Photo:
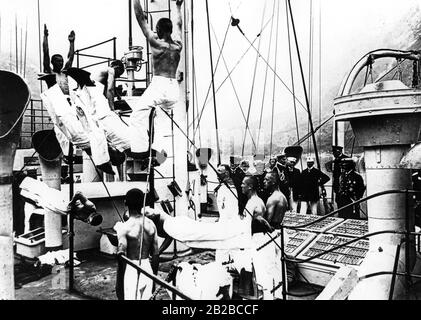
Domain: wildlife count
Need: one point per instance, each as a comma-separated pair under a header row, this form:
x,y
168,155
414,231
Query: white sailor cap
x,y
310,159
292,159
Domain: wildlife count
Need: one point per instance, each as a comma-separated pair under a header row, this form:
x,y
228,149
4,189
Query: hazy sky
x,y
348,30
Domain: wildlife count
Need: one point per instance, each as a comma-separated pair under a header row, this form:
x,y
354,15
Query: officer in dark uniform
x,y
351,189
311,179
293,176
416,185
337,153
281,169
238,175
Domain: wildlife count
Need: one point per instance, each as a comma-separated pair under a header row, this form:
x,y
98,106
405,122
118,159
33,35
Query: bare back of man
x,y
133,232
166,57
277,203
276,206
138,250
163,92
165,50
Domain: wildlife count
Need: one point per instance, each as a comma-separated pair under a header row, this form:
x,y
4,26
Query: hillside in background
x,y
405,35
30,76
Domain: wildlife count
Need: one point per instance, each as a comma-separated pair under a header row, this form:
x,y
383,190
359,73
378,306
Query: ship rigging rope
x,y
274,81
304,87
106,189
320,70
213,84
214,169
271,68
148,178
232,70
194,84
265,81
310,66
253,83
234,88
308,135
292,73
199,116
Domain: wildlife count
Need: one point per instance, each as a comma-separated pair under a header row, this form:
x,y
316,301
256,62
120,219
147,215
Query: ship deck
x,y
95,276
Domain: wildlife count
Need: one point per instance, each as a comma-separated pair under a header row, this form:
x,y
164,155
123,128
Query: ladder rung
x,y
158,11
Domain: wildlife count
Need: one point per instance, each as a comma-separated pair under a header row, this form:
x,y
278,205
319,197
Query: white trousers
x,y
64,116
142,284
163,93
311,204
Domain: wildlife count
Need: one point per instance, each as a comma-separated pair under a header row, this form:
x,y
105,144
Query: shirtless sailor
x,y
163,91
130,239
107,78
277,203
264,259
276,206
57,61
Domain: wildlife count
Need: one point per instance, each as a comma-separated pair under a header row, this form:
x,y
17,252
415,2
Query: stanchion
x,y
284,277
71,223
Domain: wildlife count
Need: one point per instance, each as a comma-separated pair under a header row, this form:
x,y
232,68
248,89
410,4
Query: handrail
x,y
347,84
344,245
300,227
284,258
93,56
105,59
352,204
94,64
156,279
96,45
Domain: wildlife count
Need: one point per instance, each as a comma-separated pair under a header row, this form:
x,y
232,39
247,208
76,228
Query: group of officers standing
x,y
304,189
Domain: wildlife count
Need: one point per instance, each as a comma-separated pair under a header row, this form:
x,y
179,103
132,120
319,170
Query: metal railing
x,y
407,233
35,118
155,279
104,59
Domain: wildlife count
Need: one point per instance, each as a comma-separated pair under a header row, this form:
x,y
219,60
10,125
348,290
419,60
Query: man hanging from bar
x,y
56,76
163,91
138,240
57,61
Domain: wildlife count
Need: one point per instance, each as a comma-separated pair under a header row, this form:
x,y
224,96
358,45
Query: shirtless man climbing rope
x,y
136,248
163,90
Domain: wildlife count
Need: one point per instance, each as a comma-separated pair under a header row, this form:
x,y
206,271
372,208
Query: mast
x,y
10,50
130,25
39,41
304,87
16,37
213,85
0,33
21,52
26,46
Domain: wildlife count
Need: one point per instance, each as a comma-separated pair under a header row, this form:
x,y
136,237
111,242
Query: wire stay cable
x,y
266,77
253,82
233,87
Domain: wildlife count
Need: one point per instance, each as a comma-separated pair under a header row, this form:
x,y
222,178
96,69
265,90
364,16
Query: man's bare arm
x,y
146,29
46,52
122,242
111,88
71,54
121,265
155,254
258,215
179,23
270,209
